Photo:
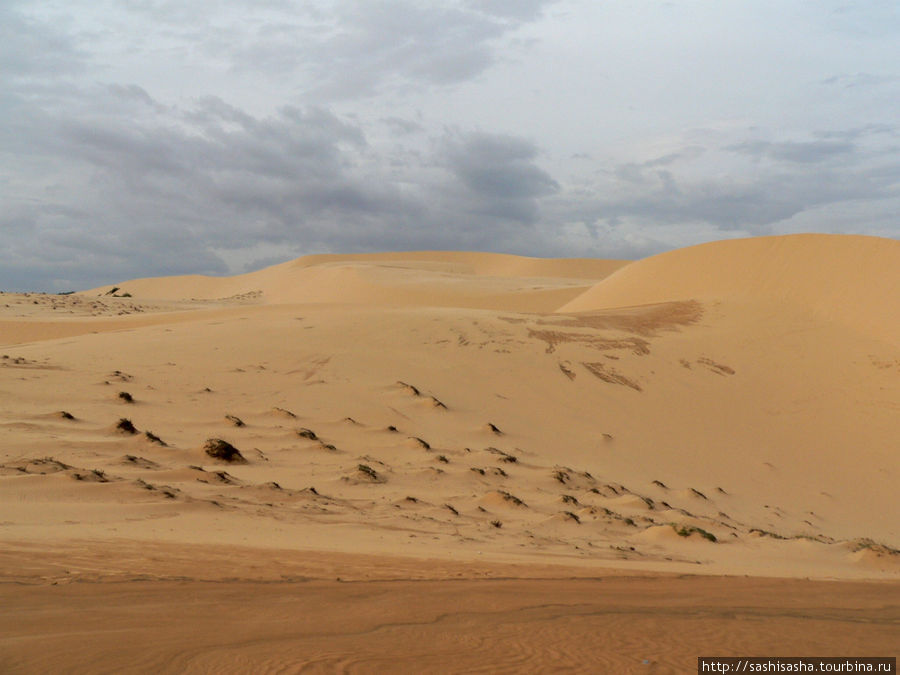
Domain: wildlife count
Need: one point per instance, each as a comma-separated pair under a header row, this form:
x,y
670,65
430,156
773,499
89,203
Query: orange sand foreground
x,y
457,462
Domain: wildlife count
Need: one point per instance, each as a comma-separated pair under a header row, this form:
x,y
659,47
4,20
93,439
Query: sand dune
x,y
851,279
728,409
428,278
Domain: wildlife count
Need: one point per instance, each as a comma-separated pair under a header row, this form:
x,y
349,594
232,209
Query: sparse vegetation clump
x,y
125,425
688,530
125,396
512,498
307,433
866,544
223,450
497,524
235,420
283,412
153,438
368,471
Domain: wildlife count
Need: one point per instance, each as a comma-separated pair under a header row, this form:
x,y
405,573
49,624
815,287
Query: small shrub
x,y
236,421
512,498
219,449
153,438
497,524
687,531
125,396
421,443
368,471
125,425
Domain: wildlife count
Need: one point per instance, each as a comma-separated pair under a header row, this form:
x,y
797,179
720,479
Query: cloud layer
x,y
154,137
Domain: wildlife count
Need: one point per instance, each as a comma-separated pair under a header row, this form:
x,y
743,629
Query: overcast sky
x,y
158,137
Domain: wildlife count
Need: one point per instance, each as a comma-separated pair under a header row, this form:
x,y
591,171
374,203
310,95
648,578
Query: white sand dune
x,y
727,409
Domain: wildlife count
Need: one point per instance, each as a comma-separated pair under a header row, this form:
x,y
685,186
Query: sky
x,y
160,137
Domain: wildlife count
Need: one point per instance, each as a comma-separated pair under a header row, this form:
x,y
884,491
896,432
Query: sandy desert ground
x,y
456,462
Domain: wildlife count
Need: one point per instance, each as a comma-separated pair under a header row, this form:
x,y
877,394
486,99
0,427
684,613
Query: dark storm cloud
x,y
160,193
498,166
156,191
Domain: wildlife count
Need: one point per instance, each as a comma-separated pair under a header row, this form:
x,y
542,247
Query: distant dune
x,y
425,278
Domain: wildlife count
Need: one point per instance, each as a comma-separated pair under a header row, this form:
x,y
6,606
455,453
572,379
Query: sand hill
x,y
726,409
851,279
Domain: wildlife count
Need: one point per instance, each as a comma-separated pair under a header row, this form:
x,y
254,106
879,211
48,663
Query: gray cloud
x,y
645,197
158,137
520,10
499,167
792,151
31,47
